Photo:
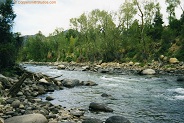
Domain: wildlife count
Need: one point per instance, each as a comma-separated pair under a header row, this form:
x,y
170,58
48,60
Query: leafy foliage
x,y
9,42
97,36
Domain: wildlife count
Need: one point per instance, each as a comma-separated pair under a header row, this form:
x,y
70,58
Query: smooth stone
x,y
89,83
99,107
30,118
148,72
16,104
49,98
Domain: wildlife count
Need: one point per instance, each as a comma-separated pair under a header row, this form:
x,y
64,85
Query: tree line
x,y
134,33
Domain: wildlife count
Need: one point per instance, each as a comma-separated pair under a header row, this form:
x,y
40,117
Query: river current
x,y
141,99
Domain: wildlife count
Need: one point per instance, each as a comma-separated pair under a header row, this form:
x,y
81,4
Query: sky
x,y
32,18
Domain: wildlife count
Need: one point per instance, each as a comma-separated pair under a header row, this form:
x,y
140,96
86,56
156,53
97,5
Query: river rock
x,y
148,72
61,67
49,98
85,68
117,119
99,107
1,120
92,120
105,95
180,78
77,113
16,104
30,118
5,81
89,83
173,60
44,81
103,70
70,83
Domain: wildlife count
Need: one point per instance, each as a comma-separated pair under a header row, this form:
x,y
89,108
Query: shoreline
x,y
114,67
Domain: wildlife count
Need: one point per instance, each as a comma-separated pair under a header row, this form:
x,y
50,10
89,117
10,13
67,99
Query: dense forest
x,y
134,33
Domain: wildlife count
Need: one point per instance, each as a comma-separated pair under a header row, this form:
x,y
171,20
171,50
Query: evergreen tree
x,y
157,26
7,40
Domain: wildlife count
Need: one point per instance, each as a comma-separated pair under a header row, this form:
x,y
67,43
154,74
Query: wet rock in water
x,y
89,83
99,107
70,83
148,72
180,78
105,95
30,118
92,120
103,70
117,119
49,98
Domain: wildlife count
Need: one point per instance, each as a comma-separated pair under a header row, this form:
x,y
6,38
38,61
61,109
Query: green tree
x,y
156,31
127,12
7,41
171,5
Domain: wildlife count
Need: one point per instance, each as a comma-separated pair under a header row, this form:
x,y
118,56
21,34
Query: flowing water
x,y
141,99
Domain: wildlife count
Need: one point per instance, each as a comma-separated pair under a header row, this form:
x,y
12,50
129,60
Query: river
x,y
141,99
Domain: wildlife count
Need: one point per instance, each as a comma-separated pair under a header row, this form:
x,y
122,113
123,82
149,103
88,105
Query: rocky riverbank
x,y
26,107
27,104
172,68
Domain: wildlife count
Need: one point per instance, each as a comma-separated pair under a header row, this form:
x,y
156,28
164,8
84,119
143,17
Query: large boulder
x,y
99,107
117,119
70,83
92,120
148,72
30,118
173,60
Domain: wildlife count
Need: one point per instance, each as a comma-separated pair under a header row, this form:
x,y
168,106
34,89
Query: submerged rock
x,y
70,83
99,107
117,119
89,83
